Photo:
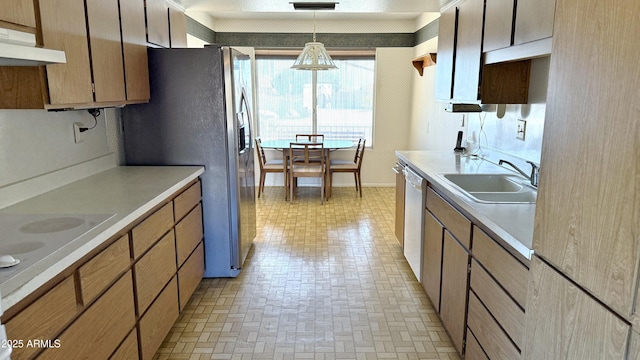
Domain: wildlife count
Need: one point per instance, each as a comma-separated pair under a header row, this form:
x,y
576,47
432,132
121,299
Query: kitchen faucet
x,y
535,171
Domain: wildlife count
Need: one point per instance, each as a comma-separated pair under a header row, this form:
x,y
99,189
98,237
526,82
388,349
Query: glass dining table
x,y
329,145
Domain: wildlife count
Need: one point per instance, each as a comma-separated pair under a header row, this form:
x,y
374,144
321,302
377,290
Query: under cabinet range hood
x,y
18,48
461,107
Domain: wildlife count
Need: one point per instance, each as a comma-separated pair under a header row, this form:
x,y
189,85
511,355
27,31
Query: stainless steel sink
x,y
494,188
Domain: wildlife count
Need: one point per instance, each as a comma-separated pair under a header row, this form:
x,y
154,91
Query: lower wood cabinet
x,y
578,327
120,301
432,258
101,328
445,275
98,273
154,270
634,346
478,288
455,285
157,322
129,347
487,331
497,299
503,309
473,349
190,274
189,233
44,318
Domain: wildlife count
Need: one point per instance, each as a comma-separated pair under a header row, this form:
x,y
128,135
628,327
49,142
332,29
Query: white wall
x,y
38,152
431,127
37,142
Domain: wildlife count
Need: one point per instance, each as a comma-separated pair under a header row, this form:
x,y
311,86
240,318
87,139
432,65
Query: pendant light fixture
x,y
314,56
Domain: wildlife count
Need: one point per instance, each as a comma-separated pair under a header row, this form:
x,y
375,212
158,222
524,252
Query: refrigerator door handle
x,y
243,144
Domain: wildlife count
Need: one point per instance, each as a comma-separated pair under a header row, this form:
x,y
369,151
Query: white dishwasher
x,y
413,220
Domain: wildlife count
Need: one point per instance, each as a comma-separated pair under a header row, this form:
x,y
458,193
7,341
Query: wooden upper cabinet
x,y
106,50
134,48
468,50
178,28
588,206
157,22
19,12
534,20
64,28
446,53
498,24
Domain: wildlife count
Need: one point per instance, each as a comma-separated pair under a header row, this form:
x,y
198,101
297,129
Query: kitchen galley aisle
x,y
322,281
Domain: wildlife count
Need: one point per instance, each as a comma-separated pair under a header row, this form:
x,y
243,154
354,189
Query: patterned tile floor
x,y
322,282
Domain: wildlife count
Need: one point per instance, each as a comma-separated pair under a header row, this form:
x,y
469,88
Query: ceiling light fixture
x,y
314,56
314,5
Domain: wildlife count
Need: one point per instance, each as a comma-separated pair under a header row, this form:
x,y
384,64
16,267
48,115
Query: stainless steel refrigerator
x,y
200,114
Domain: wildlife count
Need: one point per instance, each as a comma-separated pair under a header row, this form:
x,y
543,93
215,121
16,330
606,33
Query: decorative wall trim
x,y
427,32
200,31
297,40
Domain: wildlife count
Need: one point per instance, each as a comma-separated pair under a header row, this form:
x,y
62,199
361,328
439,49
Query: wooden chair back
x,y
306,160
310,137
360,152
261,155
306,154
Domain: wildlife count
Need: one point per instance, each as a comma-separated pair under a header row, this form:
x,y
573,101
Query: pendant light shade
x,y
314,56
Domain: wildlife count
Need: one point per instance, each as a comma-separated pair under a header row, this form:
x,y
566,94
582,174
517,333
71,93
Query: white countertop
x,y
122,193
511,223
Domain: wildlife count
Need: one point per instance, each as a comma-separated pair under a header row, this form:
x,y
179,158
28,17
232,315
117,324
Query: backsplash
x,y
488,131
38,142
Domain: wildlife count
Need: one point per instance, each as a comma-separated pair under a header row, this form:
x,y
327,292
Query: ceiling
x,y
282,9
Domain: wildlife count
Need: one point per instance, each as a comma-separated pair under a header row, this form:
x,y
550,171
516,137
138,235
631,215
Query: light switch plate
x,y
521,130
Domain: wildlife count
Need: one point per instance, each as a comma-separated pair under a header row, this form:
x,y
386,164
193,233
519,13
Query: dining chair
x,y
306,160
348,166
310,137
267,166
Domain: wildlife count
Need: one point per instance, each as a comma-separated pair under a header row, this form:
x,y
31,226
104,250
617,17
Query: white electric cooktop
x,y
26,239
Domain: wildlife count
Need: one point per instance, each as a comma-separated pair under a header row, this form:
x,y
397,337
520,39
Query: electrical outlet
x,y
77,134
522,129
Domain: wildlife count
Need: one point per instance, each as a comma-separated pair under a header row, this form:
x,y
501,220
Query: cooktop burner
x,y
31,237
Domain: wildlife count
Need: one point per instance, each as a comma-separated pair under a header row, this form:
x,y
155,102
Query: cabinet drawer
x,y
151,229
44,318
100,329
493,340
506,312
128,349
506,269
189,234
186,201
474,351
157,322
455,222
103,269
190,275
154,271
